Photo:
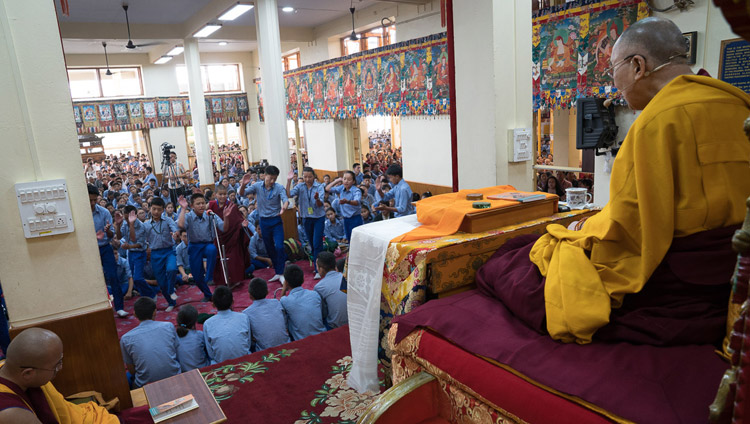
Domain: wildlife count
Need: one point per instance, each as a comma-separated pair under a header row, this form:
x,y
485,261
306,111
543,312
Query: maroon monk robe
x,y
34,397
235,242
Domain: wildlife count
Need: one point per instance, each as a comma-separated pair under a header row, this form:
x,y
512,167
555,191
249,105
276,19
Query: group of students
x,y
557,183
156,350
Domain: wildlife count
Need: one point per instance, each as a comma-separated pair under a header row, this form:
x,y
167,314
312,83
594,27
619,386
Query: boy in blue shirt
x,y
123,275
310,207
303,308
133,232
334,228
150,349
400,192
200,235
183,259
160,235
258,256
269,196
329,289
228,334
267,319
350,197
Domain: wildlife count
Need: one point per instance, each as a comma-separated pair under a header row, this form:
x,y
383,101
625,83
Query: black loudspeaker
x,y
595,125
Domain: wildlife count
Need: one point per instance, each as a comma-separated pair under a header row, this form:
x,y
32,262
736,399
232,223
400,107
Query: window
x,y
94,82
290,62
215,78
370,39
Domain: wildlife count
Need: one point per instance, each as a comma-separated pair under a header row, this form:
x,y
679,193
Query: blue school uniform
x,y
269,206
268,323
163,261
334,300
137,256
228,336
123,274
334,231
201,246
402,193
101,218
304,314
352,214
152,348
313,216
191,351
257,247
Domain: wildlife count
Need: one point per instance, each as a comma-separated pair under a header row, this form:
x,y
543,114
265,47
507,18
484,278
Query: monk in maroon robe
x,y
233,238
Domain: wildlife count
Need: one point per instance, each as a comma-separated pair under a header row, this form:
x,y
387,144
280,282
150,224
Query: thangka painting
x,y
572,45
408,78
259,95
136,114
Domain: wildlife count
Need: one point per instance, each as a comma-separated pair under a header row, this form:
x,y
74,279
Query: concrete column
x,y
328,145
198,111
269,48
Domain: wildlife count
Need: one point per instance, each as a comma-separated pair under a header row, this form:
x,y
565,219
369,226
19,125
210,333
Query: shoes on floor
x,y
317,276
170,308
210,282
174,296
276,277
282,280
206,299
122,314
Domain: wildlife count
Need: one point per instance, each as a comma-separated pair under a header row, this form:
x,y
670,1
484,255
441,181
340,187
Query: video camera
x,y
166,151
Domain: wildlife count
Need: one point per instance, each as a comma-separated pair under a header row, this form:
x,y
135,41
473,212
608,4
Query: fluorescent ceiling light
x,y
162,60
287,9
206,30
235,12
176,51
223,43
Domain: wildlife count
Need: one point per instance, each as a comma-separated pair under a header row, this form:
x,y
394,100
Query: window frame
x,y
384,38
208,80
285,61
99,70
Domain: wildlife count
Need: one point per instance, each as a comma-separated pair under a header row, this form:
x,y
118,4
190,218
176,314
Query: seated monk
x,y
654,265
26,393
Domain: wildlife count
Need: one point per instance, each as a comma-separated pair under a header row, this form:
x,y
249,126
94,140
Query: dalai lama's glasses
x,y
611,70
57,368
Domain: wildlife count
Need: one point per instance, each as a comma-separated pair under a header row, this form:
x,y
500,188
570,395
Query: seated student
x,y
329,289
340,265
259,258
334,228
33,359
199,225
123,275
368,200
385,213
169,212
400,192
426,194
366,215
134,235
635,251
303,308
183,259
150,349
369,187
267,319
191,345
228,335
350,197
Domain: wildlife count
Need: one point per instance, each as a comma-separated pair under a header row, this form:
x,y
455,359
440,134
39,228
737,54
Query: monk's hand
x,y
228,209
741,242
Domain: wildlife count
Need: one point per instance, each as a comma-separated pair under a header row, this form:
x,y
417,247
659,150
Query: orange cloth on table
x,y
442,215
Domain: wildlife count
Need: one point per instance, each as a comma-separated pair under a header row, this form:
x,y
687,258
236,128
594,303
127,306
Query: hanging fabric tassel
x,y
443,13
65,7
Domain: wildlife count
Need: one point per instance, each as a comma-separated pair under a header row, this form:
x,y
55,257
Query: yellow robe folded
x,y
682,169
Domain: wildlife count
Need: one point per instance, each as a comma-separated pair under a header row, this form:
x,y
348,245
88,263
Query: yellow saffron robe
x,y
682,169
70,413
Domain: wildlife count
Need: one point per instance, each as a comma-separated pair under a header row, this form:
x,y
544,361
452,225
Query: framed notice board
x,y
734,63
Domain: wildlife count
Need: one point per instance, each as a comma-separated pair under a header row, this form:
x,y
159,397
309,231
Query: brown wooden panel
x,y
333,174
93,360
289,219
432,188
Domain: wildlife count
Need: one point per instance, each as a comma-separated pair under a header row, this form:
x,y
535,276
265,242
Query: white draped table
x,y
366,264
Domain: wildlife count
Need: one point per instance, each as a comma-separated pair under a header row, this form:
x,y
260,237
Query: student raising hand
x,y
245,179
132,217
118,219
183,202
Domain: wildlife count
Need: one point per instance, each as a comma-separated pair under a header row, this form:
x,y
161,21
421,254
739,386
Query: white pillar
x,y
198,111
272,78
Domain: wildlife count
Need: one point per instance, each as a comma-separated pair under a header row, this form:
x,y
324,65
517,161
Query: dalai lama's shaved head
x,y
34,347
657,39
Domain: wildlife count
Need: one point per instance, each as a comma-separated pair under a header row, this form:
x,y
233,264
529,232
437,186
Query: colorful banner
x,y
572,44
408,78
136,114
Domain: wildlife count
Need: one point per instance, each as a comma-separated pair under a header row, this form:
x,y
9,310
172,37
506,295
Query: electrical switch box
x,y
44,207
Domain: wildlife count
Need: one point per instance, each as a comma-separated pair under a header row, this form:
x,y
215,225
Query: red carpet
x,y
192,295
302,382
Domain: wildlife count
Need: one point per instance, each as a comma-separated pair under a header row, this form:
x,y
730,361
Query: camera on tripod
x,y
166,151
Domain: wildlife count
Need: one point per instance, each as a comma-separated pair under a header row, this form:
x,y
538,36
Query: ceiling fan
x,y
104,44
130,45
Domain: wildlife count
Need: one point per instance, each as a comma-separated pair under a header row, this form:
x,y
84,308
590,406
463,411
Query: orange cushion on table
x,y
443,214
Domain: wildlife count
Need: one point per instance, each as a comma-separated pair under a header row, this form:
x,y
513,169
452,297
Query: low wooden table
x,y
191,382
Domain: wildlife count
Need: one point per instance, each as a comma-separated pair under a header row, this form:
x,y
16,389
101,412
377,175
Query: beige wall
x,y
53,276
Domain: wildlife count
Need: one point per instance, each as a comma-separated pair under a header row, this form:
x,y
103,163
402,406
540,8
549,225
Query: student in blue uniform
x,y
329,289
350,197
160,235
124,277
200,234
303,308
269,196
191,345
104,233
259,258
334,227
150,349
310,208
133,232
400,192
267,319
182,259
228,334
